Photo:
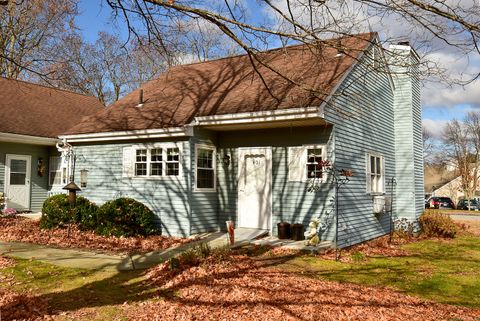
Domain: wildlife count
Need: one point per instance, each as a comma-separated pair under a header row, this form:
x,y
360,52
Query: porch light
x,y
83,178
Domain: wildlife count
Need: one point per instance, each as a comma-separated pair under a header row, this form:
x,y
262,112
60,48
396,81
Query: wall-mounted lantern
x,y
226,159
83,178
40,167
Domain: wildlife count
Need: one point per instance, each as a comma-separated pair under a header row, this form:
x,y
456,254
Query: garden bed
x,y
21,229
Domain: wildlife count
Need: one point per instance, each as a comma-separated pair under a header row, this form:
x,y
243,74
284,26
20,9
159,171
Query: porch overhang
x,y
294,117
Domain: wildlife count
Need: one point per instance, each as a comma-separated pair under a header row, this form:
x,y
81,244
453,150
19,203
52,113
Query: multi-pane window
x,y
173,161
205,178
58,171
314,163
156,158
157,162
141,162
375,174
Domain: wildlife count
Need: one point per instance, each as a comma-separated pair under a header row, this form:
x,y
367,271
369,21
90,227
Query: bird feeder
x,y
72,189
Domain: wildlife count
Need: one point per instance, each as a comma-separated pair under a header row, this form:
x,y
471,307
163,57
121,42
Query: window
x,y
173,161
156,158
141,162
58,171
375,174
205,160
159,160
314,161
304,162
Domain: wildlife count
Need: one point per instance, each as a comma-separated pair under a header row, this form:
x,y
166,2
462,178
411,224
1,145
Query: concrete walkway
x,y
100,261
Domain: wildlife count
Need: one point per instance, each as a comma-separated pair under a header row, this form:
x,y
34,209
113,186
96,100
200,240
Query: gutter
x,y
130,134
261,116
27,139
187,130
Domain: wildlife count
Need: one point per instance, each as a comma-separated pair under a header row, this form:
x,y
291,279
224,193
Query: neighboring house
x,y
209,142
437,175
454,190
31,119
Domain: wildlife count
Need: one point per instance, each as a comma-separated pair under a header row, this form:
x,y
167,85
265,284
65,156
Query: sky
x,y
439,103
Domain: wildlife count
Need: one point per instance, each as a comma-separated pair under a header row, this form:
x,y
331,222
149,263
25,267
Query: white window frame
x,y
380,178
323,155
214,165
62,170
303,162
164,147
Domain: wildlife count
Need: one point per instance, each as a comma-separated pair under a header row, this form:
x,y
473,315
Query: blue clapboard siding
x,y
290,200
204,204
408,136
362,113
39,185
167,197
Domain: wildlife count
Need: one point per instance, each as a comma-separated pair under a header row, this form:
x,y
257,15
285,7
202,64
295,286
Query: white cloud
x,y
443,65
435,127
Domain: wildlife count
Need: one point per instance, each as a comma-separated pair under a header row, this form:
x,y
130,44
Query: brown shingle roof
x,y
35,110
231,85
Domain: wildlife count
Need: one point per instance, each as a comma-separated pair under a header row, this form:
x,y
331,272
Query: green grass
x,y
443,271
68,289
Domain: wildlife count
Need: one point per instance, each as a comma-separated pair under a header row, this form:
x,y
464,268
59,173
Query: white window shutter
x,y
128,163
297,169
367,173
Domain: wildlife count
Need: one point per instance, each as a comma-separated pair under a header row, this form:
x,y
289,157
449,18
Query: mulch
x,y
20,229
244,289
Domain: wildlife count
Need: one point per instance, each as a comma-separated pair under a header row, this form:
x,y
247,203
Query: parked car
x,y
469,205
440,202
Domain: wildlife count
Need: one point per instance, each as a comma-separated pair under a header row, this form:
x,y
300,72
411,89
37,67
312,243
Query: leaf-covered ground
x,y
232,286
26,230
244,289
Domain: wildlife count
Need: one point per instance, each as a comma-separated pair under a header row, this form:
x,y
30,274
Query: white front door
x,y
255,187
17,181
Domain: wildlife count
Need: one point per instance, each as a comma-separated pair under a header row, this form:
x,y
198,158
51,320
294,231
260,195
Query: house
x,y
31,119
215,141
223,140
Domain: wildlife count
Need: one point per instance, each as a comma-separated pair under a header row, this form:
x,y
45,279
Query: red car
x,y
440,202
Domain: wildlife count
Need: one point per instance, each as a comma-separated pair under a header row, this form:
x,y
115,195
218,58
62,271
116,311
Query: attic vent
x,y
140,98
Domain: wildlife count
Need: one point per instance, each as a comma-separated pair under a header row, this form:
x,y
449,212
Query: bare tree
x,y
29,32
462,148
454,24
106,69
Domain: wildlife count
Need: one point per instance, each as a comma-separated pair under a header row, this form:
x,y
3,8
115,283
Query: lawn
x,y
258,283
446,271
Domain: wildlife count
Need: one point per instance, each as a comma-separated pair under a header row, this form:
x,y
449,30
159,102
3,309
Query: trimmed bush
x,y
125,217
56,212
436,224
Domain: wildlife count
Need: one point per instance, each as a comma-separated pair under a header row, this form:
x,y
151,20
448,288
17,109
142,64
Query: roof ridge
x,y
358,35
49,87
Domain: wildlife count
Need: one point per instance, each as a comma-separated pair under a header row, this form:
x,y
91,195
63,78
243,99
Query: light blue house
x,y
220,140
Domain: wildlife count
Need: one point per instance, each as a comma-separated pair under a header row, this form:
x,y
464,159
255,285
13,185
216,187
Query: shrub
x,y
125,217
56,212
434,223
